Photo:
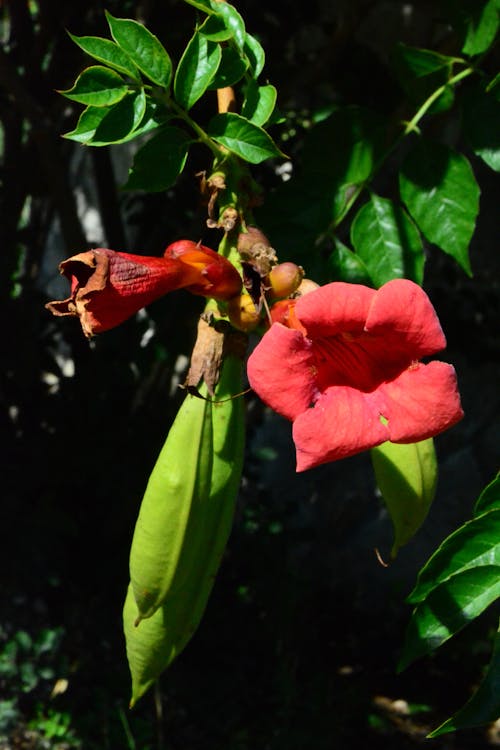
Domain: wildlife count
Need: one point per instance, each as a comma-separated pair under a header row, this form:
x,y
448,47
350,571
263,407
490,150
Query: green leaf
x,y
407,477
344,265
387,241
475,544
339,155
108,53
232,19
255,54
422,71
439,189
259,103
480,22
231,69
481,121
201,5
215,29
143,47
88,123
242,137
160,161
97,86
196,69
121,120
484,705
448,608
489,499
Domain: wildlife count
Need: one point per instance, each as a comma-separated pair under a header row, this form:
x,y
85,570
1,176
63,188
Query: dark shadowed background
x,y
298,647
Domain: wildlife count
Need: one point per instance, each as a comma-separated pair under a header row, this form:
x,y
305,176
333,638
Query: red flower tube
x,y
345,370
107,287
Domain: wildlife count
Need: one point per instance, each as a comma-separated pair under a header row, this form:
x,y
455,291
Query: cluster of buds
x,y
267,283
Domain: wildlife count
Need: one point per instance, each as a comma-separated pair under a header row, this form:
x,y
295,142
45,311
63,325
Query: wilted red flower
x,y
345,369
107,287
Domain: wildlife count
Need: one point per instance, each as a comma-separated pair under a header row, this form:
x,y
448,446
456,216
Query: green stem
x,y
203,137
410,127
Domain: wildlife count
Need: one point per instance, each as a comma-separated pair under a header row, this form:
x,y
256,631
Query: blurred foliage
x,y
287,656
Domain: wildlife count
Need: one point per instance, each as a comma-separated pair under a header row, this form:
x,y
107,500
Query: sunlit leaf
x,y
215,29
97,86
88,123
143,48
448,608
255,54
387,241
231,69
439,189
160,161
421,71
107,52
242,137
481,21
475,544
259,103
344,265
232,19
481,119
484,705
121,120
196,70
489,499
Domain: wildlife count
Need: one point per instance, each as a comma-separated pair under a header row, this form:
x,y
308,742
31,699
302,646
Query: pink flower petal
x,y
402,311
422,402
282,372
344,421
335,308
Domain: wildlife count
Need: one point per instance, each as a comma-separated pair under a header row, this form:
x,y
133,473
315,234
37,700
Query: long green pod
x,y
155,642
178,486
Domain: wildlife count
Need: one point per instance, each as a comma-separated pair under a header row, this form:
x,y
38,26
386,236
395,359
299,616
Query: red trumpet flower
x,y
107,287
344,367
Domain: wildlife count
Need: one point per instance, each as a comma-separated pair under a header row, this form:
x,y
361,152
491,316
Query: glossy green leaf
x,y
204,5
242,137
481,120
421,71
88,123
475,544
160,161
339,154
407,477
97,86
231,69
196,70
484,705
387,241
232,19
481,21
439,189
344,265
215,29
448,608
255,54
108,53
489,499
121,121
259,103
144,49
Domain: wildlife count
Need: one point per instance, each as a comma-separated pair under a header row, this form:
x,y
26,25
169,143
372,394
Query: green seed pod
x,y
153,643
407,477
177,489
